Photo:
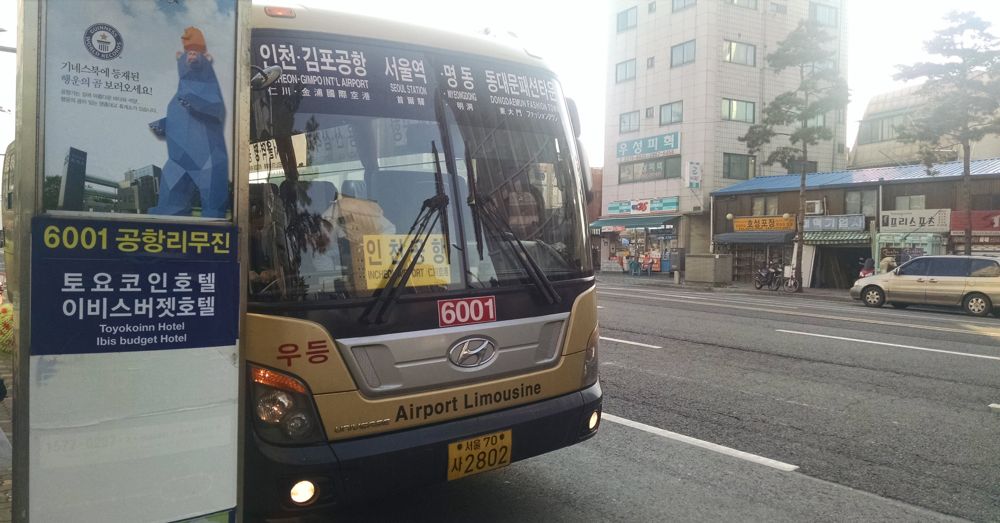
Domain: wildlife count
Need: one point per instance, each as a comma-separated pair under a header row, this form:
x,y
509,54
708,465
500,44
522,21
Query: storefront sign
x,y
694,175
982,221
922,220
842,222
763,223
644,206
661,145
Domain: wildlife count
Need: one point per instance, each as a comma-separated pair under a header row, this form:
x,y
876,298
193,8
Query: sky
x,y
572,35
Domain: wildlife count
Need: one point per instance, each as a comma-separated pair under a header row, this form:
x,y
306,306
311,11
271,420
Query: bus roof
x,y
341,23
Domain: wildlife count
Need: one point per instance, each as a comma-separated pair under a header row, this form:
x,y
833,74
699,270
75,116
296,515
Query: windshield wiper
x,y
433,210
483,207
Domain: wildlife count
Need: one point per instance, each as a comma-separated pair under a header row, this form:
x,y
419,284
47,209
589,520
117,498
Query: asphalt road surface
x,y
762,407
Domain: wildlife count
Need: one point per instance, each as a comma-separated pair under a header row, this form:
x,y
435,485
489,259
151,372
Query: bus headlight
x,y
283,410
590,359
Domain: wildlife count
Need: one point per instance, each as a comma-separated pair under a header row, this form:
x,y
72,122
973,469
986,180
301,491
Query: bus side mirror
x,y
574,116
263,78
588,179
588,176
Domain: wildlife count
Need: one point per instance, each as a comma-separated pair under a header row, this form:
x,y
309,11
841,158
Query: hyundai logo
x,y
472,352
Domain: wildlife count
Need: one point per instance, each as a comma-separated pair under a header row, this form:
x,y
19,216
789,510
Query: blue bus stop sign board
x,y
113,286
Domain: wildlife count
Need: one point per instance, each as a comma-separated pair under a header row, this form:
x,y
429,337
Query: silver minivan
x,y
970,282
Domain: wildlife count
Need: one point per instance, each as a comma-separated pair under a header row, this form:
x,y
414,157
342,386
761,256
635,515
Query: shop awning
x,y
631,222
837,238
773,237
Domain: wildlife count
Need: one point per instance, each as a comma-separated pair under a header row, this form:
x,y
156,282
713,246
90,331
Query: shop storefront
x,y
757,241
835,249
985,232
904,235
636,237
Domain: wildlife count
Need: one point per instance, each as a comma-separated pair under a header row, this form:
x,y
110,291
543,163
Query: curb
x,y
640,281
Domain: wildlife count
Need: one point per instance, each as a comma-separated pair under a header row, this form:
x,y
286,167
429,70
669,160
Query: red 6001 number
x,y
466,311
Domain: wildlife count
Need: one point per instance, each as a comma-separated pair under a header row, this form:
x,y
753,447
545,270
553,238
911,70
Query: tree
x,y
795,115
963,97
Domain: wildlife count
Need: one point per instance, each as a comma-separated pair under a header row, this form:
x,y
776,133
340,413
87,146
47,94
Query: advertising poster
x,y
148,88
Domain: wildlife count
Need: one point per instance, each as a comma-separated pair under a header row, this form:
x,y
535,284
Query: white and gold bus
x,y
421,302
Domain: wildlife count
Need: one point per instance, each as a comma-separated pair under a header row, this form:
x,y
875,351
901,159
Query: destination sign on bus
x,y
382,251
328,75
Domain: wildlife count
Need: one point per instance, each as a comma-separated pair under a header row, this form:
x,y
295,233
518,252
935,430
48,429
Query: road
x,y
762,407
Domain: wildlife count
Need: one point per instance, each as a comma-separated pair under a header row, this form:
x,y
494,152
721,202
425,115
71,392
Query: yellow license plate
x,y
479,454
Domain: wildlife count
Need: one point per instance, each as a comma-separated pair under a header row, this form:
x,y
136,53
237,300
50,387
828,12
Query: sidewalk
x,y
667,281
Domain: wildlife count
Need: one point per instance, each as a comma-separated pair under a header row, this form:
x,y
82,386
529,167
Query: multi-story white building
x,y
687,78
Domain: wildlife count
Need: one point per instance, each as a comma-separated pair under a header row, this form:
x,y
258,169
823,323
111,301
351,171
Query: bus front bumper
x,y
374,466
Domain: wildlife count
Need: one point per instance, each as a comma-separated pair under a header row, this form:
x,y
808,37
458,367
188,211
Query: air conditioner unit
x,y
814,207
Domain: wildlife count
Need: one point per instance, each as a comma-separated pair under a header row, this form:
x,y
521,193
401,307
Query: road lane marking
x,y
995,406
616,340
912,347
707,445
600,306
846,307
853,319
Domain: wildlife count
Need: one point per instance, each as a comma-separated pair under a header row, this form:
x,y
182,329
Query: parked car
x,y
970,282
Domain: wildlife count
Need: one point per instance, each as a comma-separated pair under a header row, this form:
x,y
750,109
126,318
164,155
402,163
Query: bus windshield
x,y
344,157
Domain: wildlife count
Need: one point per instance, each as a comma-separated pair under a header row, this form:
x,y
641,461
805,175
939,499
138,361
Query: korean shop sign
x,y
644,206
660,145
764,223
921,220
842,222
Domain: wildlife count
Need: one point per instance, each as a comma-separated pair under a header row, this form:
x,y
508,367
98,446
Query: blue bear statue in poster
x,y
197,160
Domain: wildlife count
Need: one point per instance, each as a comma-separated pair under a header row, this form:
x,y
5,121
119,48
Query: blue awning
x,y
633,222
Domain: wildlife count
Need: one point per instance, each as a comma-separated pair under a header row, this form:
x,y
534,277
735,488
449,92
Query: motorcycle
x,y
766,276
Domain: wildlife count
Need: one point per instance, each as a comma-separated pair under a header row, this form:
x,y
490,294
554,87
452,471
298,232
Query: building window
x,y
778,8
627,19
651,7
985,202
671,113
649,112
738,166
816,121
738,110
683,4
796,166
749,4
880,129
765,205
740,53
682,54
650,62
647,170
824,15
625,71
861,202
910,203
628,122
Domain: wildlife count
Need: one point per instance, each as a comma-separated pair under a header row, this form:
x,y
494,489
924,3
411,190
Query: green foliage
x,y
962,88
821,91
50,192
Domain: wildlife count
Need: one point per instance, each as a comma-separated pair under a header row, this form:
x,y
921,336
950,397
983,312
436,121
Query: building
x,y
672,65
139,189
899,211
877,146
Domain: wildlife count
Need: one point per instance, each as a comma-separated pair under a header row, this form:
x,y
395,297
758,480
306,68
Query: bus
x,y
421,301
